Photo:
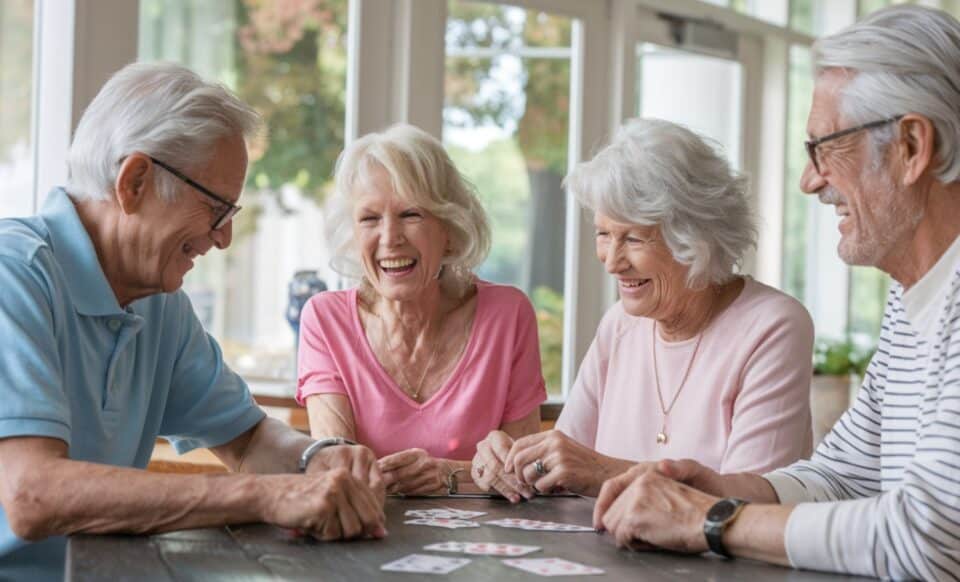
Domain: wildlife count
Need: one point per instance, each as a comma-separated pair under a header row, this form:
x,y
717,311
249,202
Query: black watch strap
x,y
719,517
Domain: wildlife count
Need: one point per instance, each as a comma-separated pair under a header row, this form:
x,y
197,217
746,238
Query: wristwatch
x,y
317,446
718,518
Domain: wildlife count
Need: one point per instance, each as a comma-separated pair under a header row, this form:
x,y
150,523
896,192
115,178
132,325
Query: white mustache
x,y
830,195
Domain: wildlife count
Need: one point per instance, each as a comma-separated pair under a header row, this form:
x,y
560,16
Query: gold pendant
x,y
661,438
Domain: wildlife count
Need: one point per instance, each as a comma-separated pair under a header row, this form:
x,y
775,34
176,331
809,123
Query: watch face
x,y
722,510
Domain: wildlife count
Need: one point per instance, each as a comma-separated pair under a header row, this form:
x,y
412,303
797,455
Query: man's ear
x,y
915,147
134,180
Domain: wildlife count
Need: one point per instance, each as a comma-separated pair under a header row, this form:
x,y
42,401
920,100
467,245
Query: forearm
x,y
759,533
748,486
63,496
273,447
607,468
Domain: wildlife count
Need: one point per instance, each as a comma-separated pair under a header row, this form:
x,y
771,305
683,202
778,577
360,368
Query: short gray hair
x,y
904,59
658,173
422,174
158,109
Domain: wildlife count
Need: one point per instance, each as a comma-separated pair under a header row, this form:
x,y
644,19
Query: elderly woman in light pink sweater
x,y
694,361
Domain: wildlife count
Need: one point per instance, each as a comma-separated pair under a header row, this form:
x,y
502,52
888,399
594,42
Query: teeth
x,y
634,283
395,263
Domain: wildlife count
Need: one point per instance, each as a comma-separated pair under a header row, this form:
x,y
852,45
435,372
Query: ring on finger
x,y
539,468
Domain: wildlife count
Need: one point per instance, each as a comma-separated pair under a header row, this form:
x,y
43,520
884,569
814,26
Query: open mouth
x,y
633,283
397,267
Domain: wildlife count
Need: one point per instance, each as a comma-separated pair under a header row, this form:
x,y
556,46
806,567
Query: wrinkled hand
x,y
567,464
644,508
488,472
358,460
330,505
414,472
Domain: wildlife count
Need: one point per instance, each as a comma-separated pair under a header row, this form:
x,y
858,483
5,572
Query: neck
x,y
938,228
410,320
696,309
101,219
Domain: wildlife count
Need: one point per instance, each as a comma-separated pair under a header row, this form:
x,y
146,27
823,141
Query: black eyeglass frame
x,y
229,213
811,144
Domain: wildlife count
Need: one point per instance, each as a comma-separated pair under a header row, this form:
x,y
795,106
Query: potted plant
x,y
837,367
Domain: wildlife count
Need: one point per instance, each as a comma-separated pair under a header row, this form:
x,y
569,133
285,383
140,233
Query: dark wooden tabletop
x,y
262,552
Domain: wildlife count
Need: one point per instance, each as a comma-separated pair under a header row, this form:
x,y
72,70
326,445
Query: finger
x,y
521,445
507,486
414,471
376,481
424,485
500,445
368,510
685,470
529,456
331,529
389,479
609,493
350,526
396,460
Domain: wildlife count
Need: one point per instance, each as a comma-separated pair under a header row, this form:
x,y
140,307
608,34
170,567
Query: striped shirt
x,y
886,480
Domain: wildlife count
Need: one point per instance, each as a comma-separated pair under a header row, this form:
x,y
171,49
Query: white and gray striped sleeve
x,y
912,530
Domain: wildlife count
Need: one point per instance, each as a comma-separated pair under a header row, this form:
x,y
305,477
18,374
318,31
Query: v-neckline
x,y
391,382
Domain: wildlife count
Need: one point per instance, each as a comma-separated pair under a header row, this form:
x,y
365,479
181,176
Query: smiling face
x,y
651,283
168,237
875,214
401,246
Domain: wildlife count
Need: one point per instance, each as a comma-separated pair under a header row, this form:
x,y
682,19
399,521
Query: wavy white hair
x,y
903,59
422,174
160,109
658,173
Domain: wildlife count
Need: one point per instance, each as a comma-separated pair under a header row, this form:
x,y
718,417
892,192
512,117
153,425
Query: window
x,y
506,126
797,207
16,81
287,59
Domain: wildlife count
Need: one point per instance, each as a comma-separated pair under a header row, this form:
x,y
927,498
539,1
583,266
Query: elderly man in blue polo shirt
x,y
100,351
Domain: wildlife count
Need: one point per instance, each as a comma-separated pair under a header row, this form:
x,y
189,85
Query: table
x,y
263,552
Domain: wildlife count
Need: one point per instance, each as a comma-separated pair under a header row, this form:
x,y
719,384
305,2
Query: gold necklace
x,y
415,393
662,435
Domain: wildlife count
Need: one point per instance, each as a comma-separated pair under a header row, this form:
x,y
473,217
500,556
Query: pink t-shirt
x,y
497,380
745,405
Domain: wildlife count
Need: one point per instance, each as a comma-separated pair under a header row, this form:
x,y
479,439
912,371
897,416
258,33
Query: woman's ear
x,y
133,182
915,148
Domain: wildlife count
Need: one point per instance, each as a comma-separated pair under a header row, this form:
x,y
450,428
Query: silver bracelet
x,y
317,446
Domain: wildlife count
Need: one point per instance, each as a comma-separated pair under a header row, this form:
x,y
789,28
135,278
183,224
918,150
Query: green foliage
x,y
291,67
832,357
549,307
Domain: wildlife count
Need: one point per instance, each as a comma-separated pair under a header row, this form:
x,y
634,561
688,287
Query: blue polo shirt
x,y
106,380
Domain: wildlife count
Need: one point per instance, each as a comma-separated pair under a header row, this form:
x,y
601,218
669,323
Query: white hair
x,y
422,174
903,59
159,109
658,173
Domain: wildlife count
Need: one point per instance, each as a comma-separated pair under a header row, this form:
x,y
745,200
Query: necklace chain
x,y
662,435
410,389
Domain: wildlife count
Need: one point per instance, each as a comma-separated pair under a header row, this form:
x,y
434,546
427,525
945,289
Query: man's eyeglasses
x,y
231,208
813,143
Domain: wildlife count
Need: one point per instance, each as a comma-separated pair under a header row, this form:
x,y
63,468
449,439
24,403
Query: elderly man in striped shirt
x,y
881,495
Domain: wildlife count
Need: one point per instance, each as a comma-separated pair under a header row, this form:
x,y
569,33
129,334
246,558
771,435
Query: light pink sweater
x,y
745,405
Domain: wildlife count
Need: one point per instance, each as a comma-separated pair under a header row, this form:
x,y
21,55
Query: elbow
x,y
27,512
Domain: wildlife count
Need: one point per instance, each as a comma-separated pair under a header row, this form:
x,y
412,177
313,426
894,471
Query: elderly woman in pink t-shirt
x,y
422,360
694,361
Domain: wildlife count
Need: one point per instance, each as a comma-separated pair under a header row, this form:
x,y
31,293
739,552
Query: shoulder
x,y
329,308
23,239
762,305
501,296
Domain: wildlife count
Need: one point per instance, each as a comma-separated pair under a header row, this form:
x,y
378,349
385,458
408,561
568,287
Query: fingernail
x,y
380,532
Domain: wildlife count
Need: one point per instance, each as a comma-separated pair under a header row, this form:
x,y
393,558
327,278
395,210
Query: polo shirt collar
x,y
73,249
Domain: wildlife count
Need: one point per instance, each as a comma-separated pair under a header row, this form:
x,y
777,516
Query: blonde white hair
x,y
658,173
422,174
160,109
902,59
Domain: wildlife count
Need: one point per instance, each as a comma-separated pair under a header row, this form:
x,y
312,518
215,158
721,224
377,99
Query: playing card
x,y
425,564
552,567
483,548
534,525
443,522
444,512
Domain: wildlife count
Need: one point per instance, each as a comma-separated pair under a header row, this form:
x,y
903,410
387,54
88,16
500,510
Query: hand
x,y
330,505
567,464
643,508
359,460
487,469
414,472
